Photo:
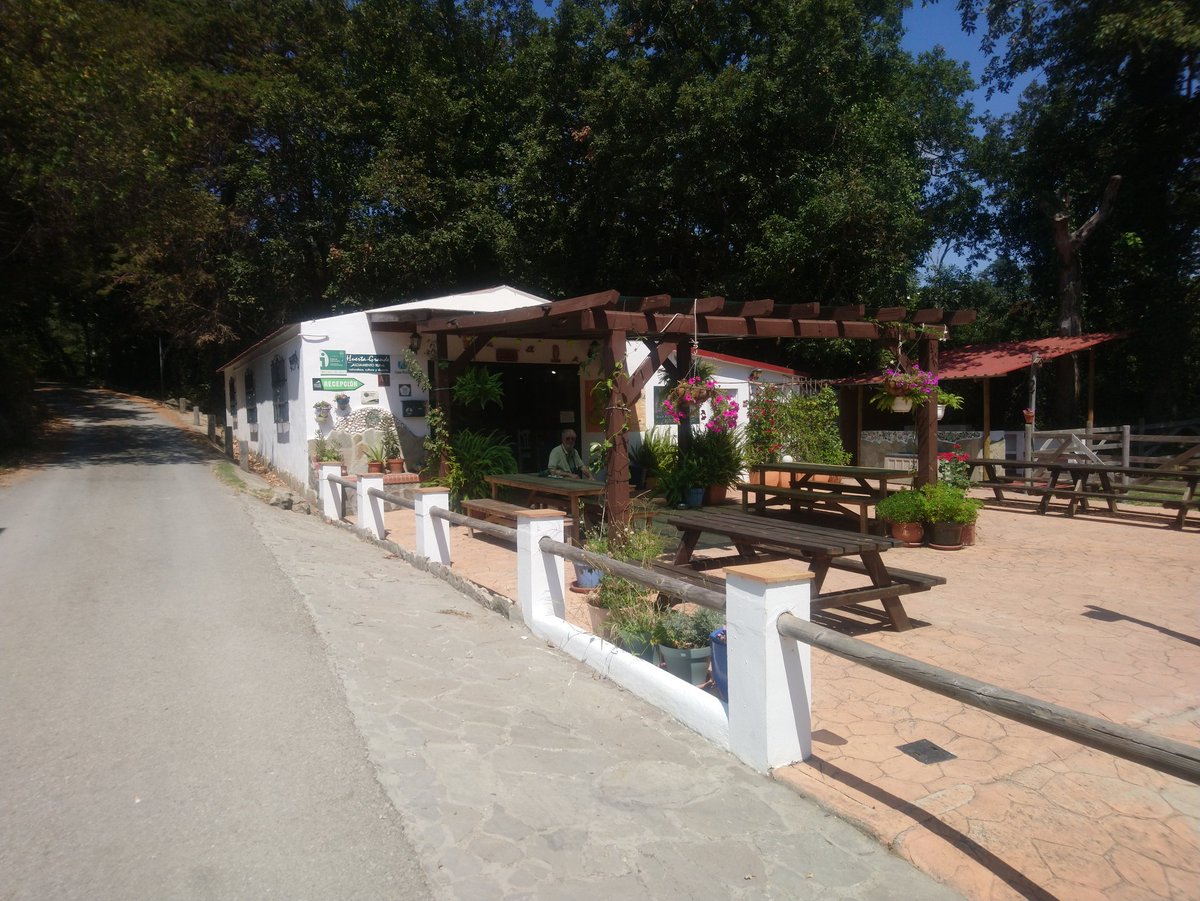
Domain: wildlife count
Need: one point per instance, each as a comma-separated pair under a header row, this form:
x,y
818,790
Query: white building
x,y
271,388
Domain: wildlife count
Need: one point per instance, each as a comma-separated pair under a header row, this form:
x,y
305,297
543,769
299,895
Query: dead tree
x,y
1070,294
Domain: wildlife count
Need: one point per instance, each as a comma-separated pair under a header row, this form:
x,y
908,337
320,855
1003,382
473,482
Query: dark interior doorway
x,y
540,400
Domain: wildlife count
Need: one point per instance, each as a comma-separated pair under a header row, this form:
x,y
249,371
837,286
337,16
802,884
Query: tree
x,y
1116,93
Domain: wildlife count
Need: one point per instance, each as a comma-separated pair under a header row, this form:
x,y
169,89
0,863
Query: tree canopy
x,y
195,174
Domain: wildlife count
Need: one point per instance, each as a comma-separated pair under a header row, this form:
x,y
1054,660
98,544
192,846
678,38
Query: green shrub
x,y
718,457
945,503
903,506
690,630
809,427
474,455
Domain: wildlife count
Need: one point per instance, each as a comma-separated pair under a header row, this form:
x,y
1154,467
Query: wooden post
x,y
683,362
616,429
987,418
1091,400
927,419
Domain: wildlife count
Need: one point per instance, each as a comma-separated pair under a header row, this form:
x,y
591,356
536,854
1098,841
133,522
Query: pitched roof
x,y
983,361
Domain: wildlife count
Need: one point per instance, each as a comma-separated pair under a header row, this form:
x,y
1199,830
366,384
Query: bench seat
x,y
503,513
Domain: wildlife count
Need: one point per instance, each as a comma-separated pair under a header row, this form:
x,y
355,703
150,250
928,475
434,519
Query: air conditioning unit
x,y
900,462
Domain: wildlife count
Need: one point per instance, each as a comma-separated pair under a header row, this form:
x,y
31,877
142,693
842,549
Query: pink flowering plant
x,y
688,394
915,384
724,416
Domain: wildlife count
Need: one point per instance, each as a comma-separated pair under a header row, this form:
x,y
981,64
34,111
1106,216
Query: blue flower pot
x,y
720,662
695,497
586,577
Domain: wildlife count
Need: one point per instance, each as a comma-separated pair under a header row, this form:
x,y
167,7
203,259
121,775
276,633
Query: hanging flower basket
x,y
688,394
901,390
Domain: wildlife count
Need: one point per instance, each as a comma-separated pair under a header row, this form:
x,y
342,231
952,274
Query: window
x,y
251,398
279,388
233,395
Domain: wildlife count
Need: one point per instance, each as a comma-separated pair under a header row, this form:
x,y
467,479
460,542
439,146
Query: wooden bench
x,y
1182,507
503,513
830,496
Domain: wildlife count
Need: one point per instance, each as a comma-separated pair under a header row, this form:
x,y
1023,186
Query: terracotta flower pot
x,y
714,494
911,533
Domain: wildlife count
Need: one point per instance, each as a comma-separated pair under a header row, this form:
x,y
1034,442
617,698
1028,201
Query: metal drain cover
x,y
926,751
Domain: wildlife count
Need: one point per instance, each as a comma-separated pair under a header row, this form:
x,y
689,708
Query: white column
x,y
433,533
329,493
370,509
539,575
770,675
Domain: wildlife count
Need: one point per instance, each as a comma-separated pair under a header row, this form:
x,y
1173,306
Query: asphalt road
x,y
169,724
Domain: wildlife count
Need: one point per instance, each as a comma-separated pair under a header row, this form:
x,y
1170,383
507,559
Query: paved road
x,y
178,730
169,724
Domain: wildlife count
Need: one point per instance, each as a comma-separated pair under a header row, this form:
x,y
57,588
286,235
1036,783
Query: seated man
x,y
565,459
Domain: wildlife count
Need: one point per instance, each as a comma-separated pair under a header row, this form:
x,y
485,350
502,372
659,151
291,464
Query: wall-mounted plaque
x,y
412,408
404,390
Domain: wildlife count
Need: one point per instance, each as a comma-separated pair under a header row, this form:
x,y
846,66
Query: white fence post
x,y
770,675
370,509
433,533
329,492
539,575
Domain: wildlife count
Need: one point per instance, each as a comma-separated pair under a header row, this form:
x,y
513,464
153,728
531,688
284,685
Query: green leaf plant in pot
x,y
904,511
638,628
685,647
376,457
948,509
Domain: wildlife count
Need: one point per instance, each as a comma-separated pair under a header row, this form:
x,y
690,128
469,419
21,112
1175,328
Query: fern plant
x,y
478,387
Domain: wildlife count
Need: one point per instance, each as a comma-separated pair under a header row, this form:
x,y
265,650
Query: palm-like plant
x,y
474,455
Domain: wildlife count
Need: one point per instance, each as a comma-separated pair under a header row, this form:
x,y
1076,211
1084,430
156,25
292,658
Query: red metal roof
x,y
753,364
984,361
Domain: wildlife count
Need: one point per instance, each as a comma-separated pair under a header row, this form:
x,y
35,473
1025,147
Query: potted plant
x,y
946,400
686,648
953,468
1028,413
343,402
687,395
391,450
682,485
375,457
718,458
321,408
587,578
904,389
948,509
904,511
638,629
613,595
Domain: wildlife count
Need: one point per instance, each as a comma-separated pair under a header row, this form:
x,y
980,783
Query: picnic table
x,y
557,491
1094,480
846,490
758,538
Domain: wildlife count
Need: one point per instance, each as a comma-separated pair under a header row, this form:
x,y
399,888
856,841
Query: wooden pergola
x,y
669,325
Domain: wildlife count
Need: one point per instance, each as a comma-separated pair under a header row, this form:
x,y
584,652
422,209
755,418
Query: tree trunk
x,y
1070,297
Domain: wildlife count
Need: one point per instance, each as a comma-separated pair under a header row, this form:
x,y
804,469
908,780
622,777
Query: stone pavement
x,y
520,774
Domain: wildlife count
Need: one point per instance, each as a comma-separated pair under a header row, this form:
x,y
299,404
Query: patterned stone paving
x,y
1094,613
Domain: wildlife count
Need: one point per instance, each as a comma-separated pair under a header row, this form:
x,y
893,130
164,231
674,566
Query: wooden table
x,y
539,490
760,537
836,489
1092,480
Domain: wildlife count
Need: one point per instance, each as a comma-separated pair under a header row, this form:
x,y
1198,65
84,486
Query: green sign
x,y
368,362
336,384
333,361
